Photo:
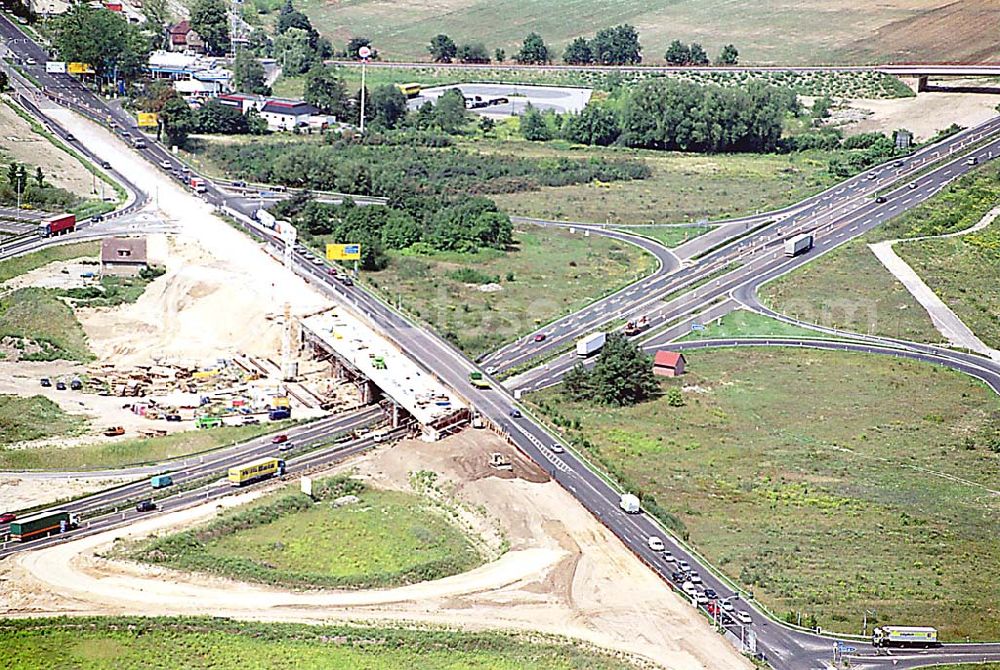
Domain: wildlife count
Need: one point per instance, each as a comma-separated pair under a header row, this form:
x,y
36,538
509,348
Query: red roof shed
x,y
668,363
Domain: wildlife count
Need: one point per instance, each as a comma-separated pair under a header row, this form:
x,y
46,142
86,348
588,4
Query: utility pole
x,y
364,53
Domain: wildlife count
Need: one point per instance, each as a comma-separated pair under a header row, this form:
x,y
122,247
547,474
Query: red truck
x,y
198,184
58,225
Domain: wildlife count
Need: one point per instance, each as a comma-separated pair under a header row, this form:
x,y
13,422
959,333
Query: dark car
x,y
711,594
96,217
880,199
678,577
278,439
348,281
240,184
46,382
7,517
70,137
106,165
173,417
540,337
515,413
60,386
145,506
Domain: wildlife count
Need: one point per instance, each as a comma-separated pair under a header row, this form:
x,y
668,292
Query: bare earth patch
x,y
563,573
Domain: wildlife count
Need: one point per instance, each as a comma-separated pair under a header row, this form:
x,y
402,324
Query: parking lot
x,y
510,99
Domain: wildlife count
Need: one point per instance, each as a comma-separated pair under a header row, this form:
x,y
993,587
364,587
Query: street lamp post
x,y
364,53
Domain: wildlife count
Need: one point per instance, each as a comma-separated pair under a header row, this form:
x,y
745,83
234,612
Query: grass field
x,y
135,643
826,482
21,264
802,32
743,323
135,451
669,237
683,188
850,288
34,417
386,539
44,326
550,273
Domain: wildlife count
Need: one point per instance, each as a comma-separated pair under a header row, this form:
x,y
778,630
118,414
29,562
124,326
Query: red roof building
x,y
181,37
668,363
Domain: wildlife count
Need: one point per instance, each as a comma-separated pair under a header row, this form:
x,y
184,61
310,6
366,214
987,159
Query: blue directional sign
x,y
697,326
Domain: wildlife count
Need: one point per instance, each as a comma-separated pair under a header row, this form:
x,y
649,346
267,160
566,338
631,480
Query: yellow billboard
x,y
147,119
79,68
343,252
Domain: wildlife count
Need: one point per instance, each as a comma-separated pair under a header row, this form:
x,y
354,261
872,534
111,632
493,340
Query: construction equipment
x,y
114,431
636,327
500,462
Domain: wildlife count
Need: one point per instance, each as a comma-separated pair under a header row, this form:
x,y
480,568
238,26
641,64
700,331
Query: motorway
x,y
842,215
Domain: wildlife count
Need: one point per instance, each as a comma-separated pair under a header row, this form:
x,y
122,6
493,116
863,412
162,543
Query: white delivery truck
x,y
590,344
904,636
629,503
796,245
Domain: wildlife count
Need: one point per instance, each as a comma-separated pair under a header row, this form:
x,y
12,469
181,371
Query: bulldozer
x,y
500,462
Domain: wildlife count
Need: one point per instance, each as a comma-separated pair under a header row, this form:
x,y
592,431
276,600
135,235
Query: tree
x,y
39,177
294,19
674,397
578,52
596,124
260,44
486,125
103,39
4,82
449,111
821,107
389,105
500,56
617,46
293,50
157,14
325,91
214,118
248,74
442,48
677,53
12,173
622,375
698,55
533,51
177,120
210,19
256,125
473,53
533,126
728,56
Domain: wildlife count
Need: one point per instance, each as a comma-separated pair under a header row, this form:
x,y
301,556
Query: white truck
x,y
904,636
798,244
629,503
590,344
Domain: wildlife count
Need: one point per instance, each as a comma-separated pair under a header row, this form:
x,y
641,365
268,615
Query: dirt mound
x,y
962,31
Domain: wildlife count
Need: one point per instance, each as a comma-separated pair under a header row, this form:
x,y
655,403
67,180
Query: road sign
x,y
80,68
343,252
697,326
55,67
364,52
147,119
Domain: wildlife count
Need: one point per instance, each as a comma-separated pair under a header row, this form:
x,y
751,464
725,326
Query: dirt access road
x,y
564,573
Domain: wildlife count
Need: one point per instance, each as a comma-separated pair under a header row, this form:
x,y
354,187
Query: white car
x,y
655,543
684,566
695,577
744,618
727,606
557,448
165,165
689,588
701,598
912,185
669,557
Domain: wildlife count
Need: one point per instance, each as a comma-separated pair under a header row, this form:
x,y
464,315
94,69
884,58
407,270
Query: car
x,y
711,594
655,543
7,517
669,557
677,577
880,199
60,386
106,165
971,160
240,184
727,606
145,506
70,137
899,164
46,382
540,337
286,446
490,369
744,618
278,439
251,421
31,61
316,260
185,168
172,417
684,566
557,448
333,273
348,281
97,218
912,185
514,413
872,175
701,598
165,164
688,588
694,577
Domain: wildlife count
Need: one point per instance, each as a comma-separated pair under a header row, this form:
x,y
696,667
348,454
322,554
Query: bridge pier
x,y
922,83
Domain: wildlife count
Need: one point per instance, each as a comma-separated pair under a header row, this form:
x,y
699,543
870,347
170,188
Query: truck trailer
x,y
476,379
42,525
58,225
161,481
905,636
590,344
798,244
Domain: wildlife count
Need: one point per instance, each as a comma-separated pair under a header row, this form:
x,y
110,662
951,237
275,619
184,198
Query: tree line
x,y
610,46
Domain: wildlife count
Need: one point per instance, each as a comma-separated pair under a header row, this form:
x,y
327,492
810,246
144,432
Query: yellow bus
x,y
259,469
409,90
